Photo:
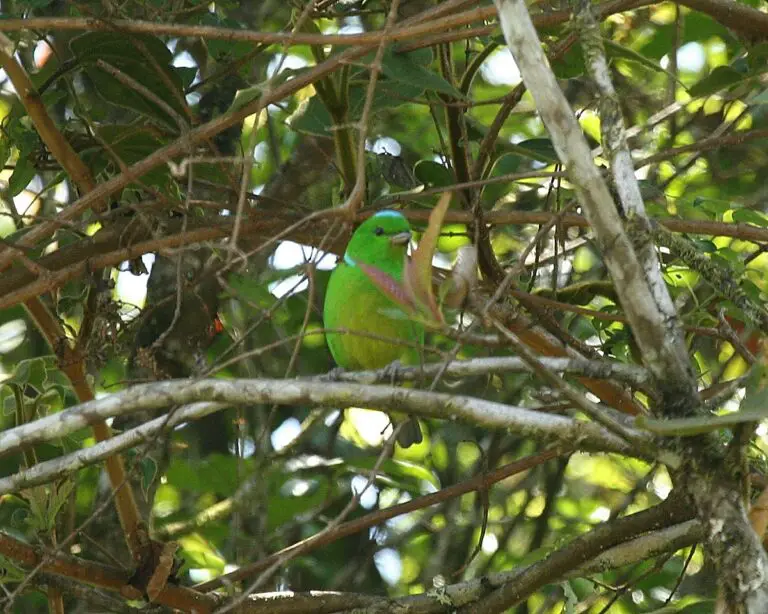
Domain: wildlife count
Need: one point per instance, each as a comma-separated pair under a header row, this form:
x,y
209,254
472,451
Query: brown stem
x,y
72,365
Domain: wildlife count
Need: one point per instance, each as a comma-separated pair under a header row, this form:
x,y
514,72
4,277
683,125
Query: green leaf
x,y
187,75
761,98
402,68
538,149
246,96
5,150
10,573
615,50
128,54
34,4
432,174
148,469
750,216
412,473
706,246
720,78
131,144
571,65
503,165
31,372
388,95
314,118
45,503
290,507
23,173
711,205
394,169
198,552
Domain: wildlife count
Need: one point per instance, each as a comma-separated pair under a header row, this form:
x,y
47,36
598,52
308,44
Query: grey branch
x,y
57,468
202,397
642,548
632,375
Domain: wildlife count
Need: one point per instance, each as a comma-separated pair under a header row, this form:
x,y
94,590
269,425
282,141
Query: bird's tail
x,y
410,433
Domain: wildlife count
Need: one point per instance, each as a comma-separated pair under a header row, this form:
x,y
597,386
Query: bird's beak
x,y
401,238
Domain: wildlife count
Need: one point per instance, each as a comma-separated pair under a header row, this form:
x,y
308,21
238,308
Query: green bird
x,y
356,300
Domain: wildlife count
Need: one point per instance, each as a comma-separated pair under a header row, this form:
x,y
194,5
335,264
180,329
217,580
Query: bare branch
x,y
149,397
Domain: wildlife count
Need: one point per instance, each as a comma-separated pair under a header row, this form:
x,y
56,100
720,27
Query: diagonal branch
x,y
647,305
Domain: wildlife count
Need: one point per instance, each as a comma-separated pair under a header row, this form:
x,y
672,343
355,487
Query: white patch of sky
x,y
289,286
661,485
7,85
660,593
247,447
284,62
734,403
331,418
386,144
199,574
500,68
185,60
193,98
373,426
352,25
285,433
289,255
389,565
441,261
490,543
691,57
378,535
23,200
61,192
12,335
297,488
370,495
601,514
260,152
404,522
130,288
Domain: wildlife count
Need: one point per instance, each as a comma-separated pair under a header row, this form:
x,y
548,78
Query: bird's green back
x,y
355,303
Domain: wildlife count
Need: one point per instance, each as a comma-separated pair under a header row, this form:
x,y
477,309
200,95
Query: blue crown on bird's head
x,y
388,213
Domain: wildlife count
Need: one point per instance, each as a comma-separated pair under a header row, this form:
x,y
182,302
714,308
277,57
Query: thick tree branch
x,y
159,395
60,467
519,585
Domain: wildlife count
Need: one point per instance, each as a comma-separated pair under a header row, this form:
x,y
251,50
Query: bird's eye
x,y
379,231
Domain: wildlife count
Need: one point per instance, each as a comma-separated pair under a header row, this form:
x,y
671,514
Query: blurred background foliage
x,y
693,93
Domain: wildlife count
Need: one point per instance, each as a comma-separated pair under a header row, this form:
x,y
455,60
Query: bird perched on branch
x,y
365,295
